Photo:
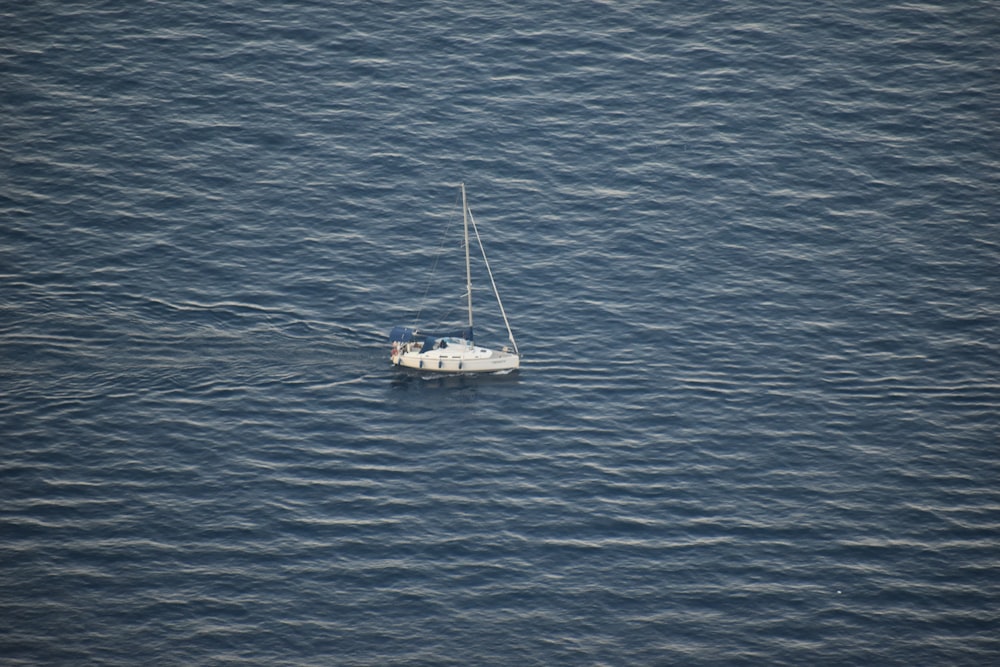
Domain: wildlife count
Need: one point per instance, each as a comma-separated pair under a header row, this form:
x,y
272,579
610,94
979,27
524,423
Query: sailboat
x,y
456,351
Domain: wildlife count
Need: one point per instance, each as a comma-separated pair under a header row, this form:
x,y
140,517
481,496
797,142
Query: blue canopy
x,y
406,334
464,334
401,334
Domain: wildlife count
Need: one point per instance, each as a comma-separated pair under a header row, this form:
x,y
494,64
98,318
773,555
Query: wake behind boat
x,y
456,351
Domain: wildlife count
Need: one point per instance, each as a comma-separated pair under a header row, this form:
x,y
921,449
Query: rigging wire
x,y
430,278
496,293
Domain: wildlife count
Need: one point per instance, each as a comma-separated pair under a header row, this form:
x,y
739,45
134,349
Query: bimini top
x,y
406,334
401,334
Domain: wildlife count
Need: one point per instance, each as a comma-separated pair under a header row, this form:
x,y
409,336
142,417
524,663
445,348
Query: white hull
x,y
456,359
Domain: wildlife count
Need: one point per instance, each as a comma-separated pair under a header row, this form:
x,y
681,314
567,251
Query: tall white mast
x,y
468,267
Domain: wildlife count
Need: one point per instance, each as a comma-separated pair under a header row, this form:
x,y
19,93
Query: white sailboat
x,y
456,351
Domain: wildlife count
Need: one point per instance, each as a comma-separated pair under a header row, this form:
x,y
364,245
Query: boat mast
x,y
468,266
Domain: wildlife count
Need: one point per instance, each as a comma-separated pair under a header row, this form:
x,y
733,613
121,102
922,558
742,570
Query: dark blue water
x,y
749,251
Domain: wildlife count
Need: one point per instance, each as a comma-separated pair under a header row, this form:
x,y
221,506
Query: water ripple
x,y
748,250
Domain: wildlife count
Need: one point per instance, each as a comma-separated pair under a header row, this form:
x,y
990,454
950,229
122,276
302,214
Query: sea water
x,y
749,251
